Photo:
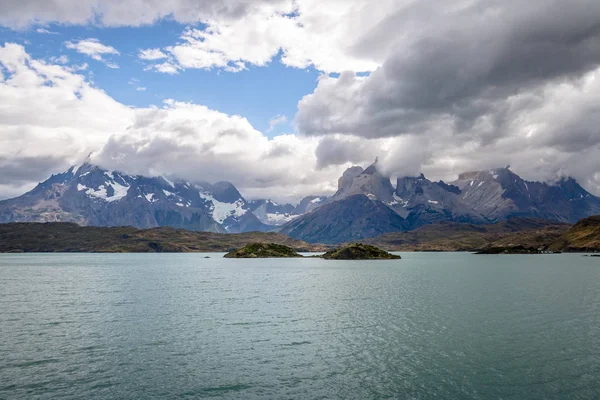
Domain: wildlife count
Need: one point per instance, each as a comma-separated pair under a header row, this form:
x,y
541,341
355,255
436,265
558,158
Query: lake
x,y
432,325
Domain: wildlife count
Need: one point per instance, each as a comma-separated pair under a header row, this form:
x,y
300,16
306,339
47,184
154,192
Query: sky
x,y
281,96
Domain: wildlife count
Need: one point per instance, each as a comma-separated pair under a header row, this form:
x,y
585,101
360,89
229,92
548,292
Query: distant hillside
x,y
584,236
69,237
450,236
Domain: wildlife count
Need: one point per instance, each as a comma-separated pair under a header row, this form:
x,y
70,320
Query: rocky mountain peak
x,y
348,176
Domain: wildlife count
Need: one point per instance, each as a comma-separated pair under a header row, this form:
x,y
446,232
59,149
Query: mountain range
x,y
365,205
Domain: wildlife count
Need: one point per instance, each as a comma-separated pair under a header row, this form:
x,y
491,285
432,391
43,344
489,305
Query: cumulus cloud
x,y
93,48
484,84
49,116
305,33
196,143
180,139
452,85
151,54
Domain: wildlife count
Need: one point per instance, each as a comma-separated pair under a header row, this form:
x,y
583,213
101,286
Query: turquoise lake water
x,y
429,326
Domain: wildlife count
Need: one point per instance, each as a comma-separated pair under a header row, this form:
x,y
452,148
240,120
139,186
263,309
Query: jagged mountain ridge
x,y
90,195
500,193
477,198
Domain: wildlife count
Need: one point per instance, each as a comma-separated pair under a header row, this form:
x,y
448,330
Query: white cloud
x,y
93,48
306,32
276,120
151,54
165,68
49,117
140,89
59,59
184,139
44,31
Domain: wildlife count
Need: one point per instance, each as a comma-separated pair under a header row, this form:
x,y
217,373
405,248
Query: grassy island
x,y
263,250
359,251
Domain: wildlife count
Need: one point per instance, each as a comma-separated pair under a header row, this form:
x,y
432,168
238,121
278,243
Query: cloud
x,y
151,54
44,31
305,33
477,85
451,85
59,59
166,68
276,120
22,13
182,139
93,48
51,115
140,89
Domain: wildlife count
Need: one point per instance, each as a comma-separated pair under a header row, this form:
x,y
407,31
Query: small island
x,y
356,251
359,251
263,250
510,250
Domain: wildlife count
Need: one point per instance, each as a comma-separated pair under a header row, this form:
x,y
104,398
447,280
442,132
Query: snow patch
x,y
150,197
433,202
371,196
81,187
279,219
221,211
169,182
398,200
317,200
120,191
167,193
480,183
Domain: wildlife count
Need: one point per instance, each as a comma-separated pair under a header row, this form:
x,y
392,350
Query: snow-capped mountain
x,y
90,195
365,204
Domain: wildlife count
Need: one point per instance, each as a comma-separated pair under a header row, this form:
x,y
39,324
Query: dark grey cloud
x,y
21,13
457,64
486,83
15,171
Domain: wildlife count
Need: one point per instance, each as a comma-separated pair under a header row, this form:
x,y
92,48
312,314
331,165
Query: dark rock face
x,y
368,182
500,193
423,202
359,251
263,250
355,217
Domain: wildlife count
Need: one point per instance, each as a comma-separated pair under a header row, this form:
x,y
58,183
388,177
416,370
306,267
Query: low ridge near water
x,y
68,237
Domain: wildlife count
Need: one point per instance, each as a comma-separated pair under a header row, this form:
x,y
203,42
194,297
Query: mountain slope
x,y
352,218
500,193
423,202
451,236
584,236
90,195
